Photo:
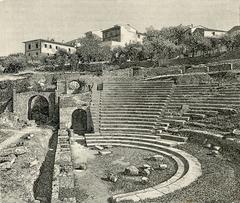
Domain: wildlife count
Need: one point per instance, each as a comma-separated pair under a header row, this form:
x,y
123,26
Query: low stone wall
x,y
198,69
63,179
220,67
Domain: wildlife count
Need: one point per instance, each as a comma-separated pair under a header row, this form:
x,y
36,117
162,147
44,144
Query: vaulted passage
x,y
79,121
38,109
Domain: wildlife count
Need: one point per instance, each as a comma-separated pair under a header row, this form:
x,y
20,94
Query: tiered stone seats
x,y
130,116
129,111
203,100
132,107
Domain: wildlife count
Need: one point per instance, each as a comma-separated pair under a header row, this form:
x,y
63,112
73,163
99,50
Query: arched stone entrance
x,y
79,121
38,109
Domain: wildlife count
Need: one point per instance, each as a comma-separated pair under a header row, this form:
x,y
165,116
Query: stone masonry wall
x,y
63,179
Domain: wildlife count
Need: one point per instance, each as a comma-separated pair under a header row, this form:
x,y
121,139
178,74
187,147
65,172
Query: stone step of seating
x,y
133,130
195,115
139,100
189,95
117,134
207,101
146,99
126,121
185,118
201,133
206,112
218,108
131,113
198,105
126,96
140,83
126,118
127,91
162,126
116,106
162,123
131,109
211,97
135,91
123,89
174,121
206,126
172,137
142,87
124,103
129,116
127,124
106,139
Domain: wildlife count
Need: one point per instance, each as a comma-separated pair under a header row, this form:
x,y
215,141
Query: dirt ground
x,y
91,185
26,153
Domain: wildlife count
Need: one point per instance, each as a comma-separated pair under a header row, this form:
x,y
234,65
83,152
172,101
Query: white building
x,y
39,47
208,32
120,35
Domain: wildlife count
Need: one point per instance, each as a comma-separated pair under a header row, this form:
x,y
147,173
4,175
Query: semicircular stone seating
x,y
129,117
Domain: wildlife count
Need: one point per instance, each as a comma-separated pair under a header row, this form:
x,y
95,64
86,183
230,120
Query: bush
x,y
14,63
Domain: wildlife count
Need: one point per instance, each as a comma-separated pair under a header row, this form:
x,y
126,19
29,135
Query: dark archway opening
x,y
79,121
38,109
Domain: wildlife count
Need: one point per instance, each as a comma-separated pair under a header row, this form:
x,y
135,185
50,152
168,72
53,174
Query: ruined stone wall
x,y
21,103
63,179
69,103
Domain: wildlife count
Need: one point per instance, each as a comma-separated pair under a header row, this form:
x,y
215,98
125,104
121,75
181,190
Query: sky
x,y
22,20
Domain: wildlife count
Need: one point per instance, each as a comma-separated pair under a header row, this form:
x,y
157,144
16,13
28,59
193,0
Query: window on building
x,y
29,54
56,47
29,46
69,49
213,33
36,53
45,45
139,35
36,45
48,54
50,46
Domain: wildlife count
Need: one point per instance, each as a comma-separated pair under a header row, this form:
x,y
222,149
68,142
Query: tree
x,y
158,47
14,63
91,49
232,40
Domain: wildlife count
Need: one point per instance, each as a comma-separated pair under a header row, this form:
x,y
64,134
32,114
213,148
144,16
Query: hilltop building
x,y
208,32
45,47
76,42
120,35
234,29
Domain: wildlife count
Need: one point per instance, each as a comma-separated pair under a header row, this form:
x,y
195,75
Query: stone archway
x,y
38,109
79,121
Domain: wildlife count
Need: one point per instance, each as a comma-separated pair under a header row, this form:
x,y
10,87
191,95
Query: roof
x,y
127,26
209,29
234,29
49,41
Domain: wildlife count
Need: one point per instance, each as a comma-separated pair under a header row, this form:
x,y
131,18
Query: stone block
x,y
156,157
104,152
131,170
